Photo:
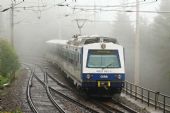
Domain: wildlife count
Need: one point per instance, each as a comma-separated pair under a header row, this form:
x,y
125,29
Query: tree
x,y
161,37
161,24
124,32
8,59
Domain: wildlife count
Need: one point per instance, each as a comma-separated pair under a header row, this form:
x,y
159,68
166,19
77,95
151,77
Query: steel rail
x,y
104,108
53,101
64,96
111,108
124,106
59,82
54,79
49,94
28,94
74,101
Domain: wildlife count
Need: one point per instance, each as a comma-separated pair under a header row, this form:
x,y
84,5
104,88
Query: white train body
x,y
93,63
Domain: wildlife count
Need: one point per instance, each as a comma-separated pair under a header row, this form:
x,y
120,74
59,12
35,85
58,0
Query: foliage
x,y
162,20
123,30
161,36
3,80
161,25
8,59
17,111
14,111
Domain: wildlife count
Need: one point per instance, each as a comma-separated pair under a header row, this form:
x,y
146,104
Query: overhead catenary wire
x,y
98,7
111,6
82,7
117,10
11,6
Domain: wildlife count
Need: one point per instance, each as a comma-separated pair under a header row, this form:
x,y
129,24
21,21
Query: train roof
x,y
57,41
82,40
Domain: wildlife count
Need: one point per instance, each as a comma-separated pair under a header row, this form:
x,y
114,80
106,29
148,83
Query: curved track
x,y
28,93
48,93
51,92
130,110
49,89
105,108
111,107
30,99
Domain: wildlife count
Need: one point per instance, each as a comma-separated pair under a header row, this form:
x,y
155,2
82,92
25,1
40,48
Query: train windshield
x,y
103,59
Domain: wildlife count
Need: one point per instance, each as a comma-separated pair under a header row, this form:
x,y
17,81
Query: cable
x,y
11,6
108,6
31,7
100,9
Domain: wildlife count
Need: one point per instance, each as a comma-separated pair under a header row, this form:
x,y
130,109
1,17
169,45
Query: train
x,y
94,63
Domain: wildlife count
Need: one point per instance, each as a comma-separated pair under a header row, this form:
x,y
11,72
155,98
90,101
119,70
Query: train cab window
x,y
103,59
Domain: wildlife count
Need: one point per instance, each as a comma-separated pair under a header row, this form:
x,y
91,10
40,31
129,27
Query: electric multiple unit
x,y
94,64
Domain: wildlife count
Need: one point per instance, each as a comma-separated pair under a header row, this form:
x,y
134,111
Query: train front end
x,y
103,70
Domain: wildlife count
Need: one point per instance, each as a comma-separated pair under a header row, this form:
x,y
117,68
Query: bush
x,y
8,59
3,80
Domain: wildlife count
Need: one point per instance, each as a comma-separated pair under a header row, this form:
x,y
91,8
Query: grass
x,y
15,111
3,80
18,110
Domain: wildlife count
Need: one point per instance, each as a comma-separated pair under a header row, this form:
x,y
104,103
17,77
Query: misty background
x,y
36,21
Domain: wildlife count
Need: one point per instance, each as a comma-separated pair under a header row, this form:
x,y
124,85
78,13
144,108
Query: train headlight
x,y
118,76
89,76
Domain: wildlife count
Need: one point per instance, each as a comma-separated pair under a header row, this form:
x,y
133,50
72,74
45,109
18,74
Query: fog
x,y
45,20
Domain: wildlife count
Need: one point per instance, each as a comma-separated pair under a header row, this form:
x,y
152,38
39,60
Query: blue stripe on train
x,y
102,76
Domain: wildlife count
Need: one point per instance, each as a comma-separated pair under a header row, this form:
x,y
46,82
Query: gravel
x,y
10,96
13,98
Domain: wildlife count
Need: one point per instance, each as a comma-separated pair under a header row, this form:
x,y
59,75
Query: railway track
x,y
28,94
113,106
120,108
130,110
49,89
51,93
33,99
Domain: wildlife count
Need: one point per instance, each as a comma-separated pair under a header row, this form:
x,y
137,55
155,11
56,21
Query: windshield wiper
x,y
108,65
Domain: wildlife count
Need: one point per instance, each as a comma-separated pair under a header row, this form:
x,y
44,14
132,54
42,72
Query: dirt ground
x,y
10,100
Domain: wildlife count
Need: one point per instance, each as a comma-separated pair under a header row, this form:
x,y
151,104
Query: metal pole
x,y
94,13
137,47
12,24
148,98
45,75
164,104
136,92
0,21
78,26
142,94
